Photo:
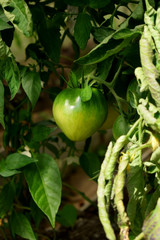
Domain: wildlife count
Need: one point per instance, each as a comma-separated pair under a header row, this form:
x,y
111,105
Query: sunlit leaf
x,y
4,25
4,49
18,13
12,76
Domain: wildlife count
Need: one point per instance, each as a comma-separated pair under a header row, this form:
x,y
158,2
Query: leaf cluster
x,y
104,51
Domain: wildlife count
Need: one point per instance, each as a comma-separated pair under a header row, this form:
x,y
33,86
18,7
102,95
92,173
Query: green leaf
x,y
36,213
155,157
98,4
135,187
76,2
66,140
86,94
90,3
90,164
100,33
137,14
31,83
104,67
2,15
67,216
148,74
4,25
82,70
12,76
49,36
41,132
151,226
2,104
103,51
6,198
21,226
44,184
126,33
18,13
4,50
73,80
4,171
52,148
153,200
17,160
82,29
158,20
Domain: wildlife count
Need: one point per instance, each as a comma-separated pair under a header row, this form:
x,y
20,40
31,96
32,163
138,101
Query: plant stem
x,y
112,83
22,207
134,126
147,145
140,236
110,87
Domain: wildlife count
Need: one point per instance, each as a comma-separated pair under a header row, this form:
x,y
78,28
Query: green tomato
x,y
77,119
120,127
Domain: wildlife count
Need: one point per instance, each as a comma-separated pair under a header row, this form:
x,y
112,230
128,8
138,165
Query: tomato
x,y
77,119
120,127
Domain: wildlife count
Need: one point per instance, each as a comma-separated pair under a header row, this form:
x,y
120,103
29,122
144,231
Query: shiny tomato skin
x,y
77,119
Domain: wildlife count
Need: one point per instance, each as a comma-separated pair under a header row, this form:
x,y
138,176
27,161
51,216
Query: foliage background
x,y
106,39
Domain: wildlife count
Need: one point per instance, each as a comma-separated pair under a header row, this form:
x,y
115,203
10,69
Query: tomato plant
x,y
111,117
120,127
79,119
100,50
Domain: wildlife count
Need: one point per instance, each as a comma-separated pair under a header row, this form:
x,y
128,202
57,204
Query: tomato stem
x,y
66,81
112,83
110,87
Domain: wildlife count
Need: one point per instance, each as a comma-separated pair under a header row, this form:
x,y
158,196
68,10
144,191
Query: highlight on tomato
x,y
77,116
